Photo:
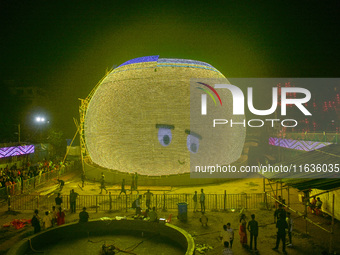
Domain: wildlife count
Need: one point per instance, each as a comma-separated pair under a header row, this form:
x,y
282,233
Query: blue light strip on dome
x,y
141,59
164,62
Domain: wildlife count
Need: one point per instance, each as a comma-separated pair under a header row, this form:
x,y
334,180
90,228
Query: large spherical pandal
x,y
140,119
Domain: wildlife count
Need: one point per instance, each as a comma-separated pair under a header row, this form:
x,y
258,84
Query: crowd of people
x,y
284,225
10,176
56,217
315,205
248,230
282,219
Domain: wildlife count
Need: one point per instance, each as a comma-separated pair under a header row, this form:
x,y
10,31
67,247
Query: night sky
x,y
66,47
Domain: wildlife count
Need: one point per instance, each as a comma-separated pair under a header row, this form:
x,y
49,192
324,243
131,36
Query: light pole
x,y
40,120
19,133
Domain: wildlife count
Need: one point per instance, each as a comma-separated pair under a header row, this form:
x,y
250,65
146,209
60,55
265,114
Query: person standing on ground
x,y
231,235
58,201
290,228
278,211
148,195
123,190
195,201
242,230
102,184
70,200
36,222
47,220
138,205
253,228
202,201
281,226
83,216
53,216
224,235
60,217
73,200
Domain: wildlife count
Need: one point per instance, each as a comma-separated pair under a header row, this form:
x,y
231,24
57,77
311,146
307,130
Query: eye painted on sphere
x,y
193,141
164,134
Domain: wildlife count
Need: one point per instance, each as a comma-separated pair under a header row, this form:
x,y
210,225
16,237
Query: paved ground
x,y
312,243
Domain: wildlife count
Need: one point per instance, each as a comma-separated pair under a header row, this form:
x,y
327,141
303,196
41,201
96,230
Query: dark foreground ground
x,y
206,238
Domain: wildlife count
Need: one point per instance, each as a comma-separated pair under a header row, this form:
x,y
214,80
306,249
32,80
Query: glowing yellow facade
x,y
139,116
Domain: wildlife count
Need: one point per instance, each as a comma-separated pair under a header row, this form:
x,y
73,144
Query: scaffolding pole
x,y
69,147
300,214
331,239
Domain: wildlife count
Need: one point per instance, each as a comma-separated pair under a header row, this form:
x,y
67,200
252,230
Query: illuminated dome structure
x,y
140,118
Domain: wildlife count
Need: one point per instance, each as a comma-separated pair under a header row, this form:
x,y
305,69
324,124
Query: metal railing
x,y
124,202
29,185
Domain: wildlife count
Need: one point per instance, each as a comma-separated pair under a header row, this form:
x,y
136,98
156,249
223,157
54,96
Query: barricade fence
x,y
97,203
29,185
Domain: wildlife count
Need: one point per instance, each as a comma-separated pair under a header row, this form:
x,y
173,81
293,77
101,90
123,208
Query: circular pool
x,y
134,236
